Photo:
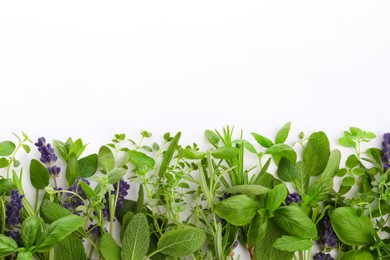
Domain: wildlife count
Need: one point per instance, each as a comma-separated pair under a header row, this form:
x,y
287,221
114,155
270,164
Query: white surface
x,y
92,69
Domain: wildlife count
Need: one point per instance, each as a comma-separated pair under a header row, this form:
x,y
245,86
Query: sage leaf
x,y
31,229
238,210
106,158
293,244
294,221
351,229
57,231
287,170
7,148
39,175
135,241
109,248
88,165
250,190
7,245
51,211
181,242
316,153
357,255
333,165
282,134
71,247
169,154
116,175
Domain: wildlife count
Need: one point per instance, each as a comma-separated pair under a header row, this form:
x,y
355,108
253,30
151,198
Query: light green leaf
x,y
7,148
357,255
333,165
181,242
212,137
169,154
109,248
316,153
116,175
262,140
293,244
106,158
141,161
282,150
192,154
250,190
247,145
225,153
282,135
7,245
72,169
39,175
61,149
51,211
31,229
135,243
275,197
302,181
3,162
320,189
347,142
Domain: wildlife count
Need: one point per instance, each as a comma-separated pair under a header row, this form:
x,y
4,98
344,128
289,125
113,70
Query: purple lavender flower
x,y
322,256
328,238
48,156
123,191
71,201
386,151
15,235
13,209
293,197
95,230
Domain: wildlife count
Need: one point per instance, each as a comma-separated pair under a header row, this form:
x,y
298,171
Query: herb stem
x,y
36,200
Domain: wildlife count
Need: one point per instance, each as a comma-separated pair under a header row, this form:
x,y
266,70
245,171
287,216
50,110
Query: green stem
x,y
36,200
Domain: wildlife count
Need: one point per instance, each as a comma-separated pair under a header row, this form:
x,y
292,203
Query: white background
x,y
93,69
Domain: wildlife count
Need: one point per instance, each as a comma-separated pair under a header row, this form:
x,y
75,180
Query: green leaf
x,y
351,229
72,169
262,140
109,248
135,242
275,197
87,189
250,190
106,158
257,229
293,244
61,149
352,161
39,175
347,142
51,211
71,247
302,181
316,153
57,231
225,153
238,210
125,221
25,255
141,161
31,229
359,172
3,162
88,165
212,137
116,175
7,245
333,165
247,145
192,154
7,148
282,135
26,148
77,148
169,154
287,170
282,150
264,248
357,132
357,255
348,181
6,186
294,221
319,190
181,242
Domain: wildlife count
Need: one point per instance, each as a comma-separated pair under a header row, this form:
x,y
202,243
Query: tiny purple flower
x,y
386,151
13,209
322,256
123,191
48,156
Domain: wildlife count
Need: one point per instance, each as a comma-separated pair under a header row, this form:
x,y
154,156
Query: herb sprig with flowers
x,y
196,203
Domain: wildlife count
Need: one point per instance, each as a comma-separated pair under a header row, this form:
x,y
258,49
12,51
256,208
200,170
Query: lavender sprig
x,y
322,256
48,156
328,238
293,197
386,151
71,201
123,191
13,209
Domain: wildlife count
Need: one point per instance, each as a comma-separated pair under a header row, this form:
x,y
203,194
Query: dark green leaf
x,y
57,231
351,229
294,221
181,242
320,189
282,150
39,175
88,165
262,140
293,244
212,137
116,175
6,186
275,197
225,153
106,159
257,229
71,248
87,189
31,229
282,135
169,154
357,255
61,149
238,210
7,245
302,181
110,249
250,190
287,170
316,153
135,242
72,169
7,148
51,211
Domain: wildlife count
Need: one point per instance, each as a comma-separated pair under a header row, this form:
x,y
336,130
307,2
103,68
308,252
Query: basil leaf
x,y
287,170
319,190
181,242
72,169
57,231
316,153
302,181
24,255
109,248
293,244
71,247
31,229
282,150
169,154
88,165
282,134
351,229
262,140
39,175
106,158
294,221
135,241
257,228
275,197
7,148
357,255
250,190
238,210
7,245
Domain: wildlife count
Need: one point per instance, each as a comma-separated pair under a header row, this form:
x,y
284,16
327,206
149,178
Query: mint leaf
x,y
302,181
71,247
293,244
316,153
